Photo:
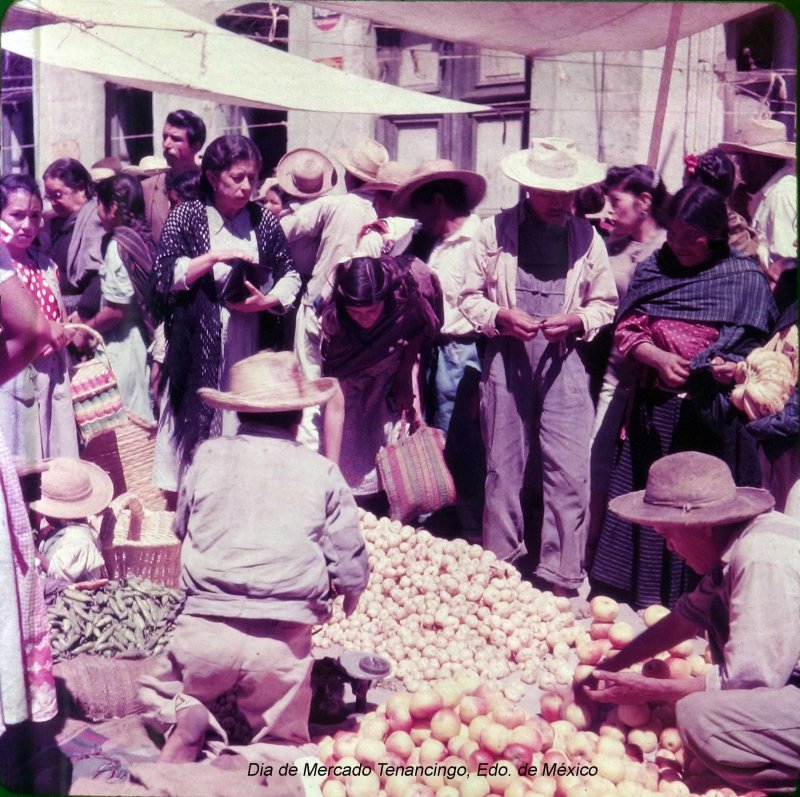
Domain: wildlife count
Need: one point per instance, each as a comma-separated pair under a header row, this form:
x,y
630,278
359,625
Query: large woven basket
x,y
140,542
126,454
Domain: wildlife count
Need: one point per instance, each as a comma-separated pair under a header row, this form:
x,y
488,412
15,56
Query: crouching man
x,y
742,718
270,535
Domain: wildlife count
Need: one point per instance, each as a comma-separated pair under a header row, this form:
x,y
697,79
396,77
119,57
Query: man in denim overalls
x,y
537,283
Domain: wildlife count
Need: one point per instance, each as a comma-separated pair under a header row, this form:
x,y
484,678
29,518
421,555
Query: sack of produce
x,y
97,688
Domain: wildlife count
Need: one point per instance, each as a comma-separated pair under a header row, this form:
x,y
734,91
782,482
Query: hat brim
x,y
787,150
343,156
284,180
374,188
474,188
312,392
749,502
589,172
96,502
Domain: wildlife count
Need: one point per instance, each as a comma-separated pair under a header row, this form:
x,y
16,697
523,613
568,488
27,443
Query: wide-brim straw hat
x,y
73,488
763,137
691,489
269,382
433,171
149,166
390,176
553,164
363,159
305,173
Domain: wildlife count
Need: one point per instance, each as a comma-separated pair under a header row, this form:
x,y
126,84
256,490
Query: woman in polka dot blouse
x,y
35,406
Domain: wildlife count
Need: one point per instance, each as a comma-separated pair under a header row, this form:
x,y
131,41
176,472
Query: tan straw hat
x,y
691,489
148,166
305,173
364,159
269,382
72,488
553,164
432,171
763,137
390,176
105,167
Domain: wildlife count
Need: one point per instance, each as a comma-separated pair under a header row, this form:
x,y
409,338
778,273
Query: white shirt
x,y
775,216
448,260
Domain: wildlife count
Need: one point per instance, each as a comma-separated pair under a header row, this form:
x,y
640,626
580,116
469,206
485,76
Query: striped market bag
x,y
414,474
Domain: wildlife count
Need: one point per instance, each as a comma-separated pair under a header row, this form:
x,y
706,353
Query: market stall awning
x,y
150,45
542,28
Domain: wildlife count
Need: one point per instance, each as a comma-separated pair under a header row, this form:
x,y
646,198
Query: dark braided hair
x,y
126,191
359,282
17,182
714,169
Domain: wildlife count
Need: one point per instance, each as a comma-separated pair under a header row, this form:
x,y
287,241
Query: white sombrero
x,y
553,164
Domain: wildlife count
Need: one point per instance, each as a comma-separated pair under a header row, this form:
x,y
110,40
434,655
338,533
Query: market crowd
x,y
281,333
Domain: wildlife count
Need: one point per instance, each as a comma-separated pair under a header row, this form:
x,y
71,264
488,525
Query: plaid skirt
x,y
633,561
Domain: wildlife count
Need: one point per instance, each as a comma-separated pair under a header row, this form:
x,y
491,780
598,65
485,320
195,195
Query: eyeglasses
x,y
54,196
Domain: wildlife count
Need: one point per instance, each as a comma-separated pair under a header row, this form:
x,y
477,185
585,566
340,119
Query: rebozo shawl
x,y
192,318
731,293
137,251
416,311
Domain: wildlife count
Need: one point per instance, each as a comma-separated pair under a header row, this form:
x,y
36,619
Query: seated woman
x,y
123,317
35,406
380,315
212,309
690,303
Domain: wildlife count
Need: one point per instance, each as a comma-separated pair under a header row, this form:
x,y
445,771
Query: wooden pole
x,y
663,87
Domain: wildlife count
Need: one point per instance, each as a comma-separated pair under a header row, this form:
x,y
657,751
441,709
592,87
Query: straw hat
x,y
105,167
553,164
363,159
432,171
762,137
148,166
691,489
364,666
305,173
390,176
72,488
269,382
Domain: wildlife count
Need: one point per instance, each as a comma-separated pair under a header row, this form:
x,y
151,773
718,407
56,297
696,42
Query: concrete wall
x,y
352,41
606,102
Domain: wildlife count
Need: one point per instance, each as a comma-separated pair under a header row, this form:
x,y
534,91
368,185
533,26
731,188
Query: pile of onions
x,y
456,730
435,606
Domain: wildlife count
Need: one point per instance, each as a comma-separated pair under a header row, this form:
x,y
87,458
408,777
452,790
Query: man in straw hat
x,y
270,536
182,138
742,718
768,166
537,282
330,224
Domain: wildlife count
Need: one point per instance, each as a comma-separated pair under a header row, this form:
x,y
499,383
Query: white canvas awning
x,y
542,28
150,45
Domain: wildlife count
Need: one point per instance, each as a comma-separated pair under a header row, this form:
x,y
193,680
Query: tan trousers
x,y
268,663
749,737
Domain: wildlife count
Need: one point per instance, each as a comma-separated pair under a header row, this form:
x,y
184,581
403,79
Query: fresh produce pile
x,y
127,618
462,738
435,606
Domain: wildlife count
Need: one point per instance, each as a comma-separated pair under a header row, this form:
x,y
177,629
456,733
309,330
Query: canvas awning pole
x,y
663,87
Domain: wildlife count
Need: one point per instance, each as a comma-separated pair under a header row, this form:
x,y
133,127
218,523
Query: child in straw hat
x,y
72,491
742,718
270,536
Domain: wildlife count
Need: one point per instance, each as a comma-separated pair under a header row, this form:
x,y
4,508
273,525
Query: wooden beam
x,y
663,87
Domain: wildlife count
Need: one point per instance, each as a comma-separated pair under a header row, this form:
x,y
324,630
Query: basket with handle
x,y
140,542
96,398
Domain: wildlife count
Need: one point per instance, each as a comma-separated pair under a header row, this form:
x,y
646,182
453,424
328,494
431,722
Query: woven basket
x,y
139,542
96,688
126,454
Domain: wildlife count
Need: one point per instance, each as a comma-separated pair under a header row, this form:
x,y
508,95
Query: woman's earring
x,y
642,214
